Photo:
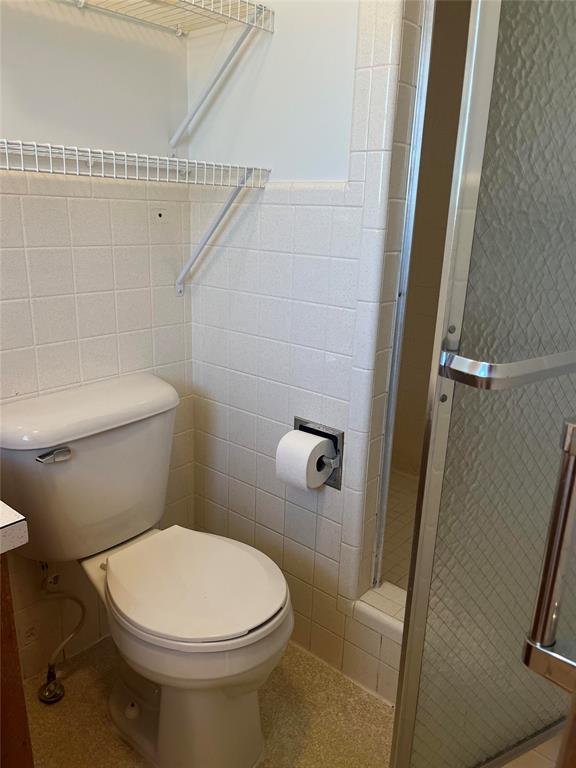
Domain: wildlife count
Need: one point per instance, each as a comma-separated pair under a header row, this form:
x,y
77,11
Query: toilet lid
x,y
194,587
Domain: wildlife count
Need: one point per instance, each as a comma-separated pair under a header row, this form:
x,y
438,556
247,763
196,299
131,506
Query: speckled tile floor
x,y
313,717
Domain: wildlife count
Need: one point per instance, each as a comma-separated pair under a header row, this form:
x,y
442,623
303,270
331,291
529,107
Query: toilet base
x,y
134,707
212,728
182,728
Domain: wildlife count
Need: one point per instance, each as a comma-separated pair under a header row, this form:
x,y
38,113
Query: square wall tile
x,y
93,269
328,537
135,351
240,528
90,221
301,632
11,231
387,682
17,373
96,314
168,344
131,266
388,33
50,271
326,574
166,261
270,511
360,666
360,110
300,525
310,276
300,595
299,560
274,274
242,464
363,637
312,230
269,542
165,222
15,324
240,311
13,275
274,317
326,645
46,221
99,357
307,368
134,309
242,428
346,232
242,498
58,365
277,228
168,308
269,434
382,103
129,222
410,53
273,400
54,319
309,325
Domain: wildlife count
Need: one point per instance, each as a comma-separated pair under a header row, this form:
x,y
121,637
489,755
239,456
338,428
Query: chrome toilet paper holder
x,y
336,436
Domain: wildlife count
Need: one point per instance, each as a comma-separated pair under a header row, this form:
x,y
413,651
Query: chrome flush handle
x,y
56,454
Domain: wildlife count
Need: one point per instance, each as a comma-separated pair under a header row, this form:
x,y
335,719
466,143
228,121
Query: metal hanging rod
x,y
183,16
30,156
210,231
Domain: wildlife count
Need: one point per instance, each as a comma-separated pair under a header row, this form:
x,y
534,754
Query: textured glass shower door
x,y
507,383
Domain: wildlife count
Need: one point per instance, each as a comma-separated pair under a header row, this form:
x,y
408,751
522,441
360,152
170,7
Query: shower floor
x,y
313,717
399,528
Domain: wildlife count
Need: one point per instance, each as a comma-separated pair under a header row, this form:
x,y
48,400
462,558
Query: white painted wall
x,y
288,103
82,78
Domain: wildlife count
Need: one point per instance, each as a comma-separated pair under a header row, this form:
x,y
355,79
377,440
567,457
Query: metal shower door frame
x,y
472,130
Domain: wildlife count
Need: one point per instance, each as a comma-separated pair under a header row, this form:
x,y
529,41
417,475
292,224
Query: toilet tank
x,y
88,467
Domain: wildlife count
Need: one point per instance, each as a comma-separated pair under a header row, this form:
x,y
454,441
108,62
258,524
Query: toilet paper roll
x,y
299,459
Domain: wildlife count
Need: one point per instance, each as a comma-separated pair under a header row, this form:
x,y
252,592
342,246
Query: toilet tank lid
x,y
50,420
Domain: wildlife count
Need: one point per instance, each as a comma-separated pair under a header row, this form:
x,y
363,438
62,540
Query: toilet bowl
x,y
179,615
199,620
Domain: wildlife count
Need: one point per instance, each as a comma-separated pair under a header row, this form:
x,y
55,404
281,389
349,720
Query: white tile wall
x,y
301,324
87,293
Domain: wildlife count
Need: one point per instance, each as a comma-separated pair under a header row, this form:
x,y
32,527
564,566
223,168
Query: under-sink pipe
x,y
52,690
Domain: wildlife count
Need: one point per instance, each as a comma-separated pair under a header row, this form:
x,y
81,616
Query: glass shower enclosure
x,y
502,387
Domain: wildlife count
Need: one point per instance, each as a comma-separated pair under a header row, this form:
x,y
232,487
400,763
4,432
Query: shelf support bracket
x,y
209,232
191,116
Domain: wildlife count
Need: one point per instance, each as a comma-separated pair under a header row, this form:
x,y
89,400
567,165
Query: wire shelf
x,y
183,16
29,156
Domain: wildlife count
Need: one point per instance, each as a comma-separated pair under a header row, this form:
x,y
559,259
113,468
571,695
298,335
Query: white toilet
x,y
200,620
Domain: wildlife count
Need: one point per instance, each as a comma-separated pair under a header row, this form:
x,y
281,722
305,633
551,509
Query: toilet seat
x,y
185,589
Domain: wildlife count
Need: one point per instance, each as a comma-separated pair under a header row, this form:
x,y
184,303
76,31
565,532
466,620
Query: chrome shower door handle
x,y
480,374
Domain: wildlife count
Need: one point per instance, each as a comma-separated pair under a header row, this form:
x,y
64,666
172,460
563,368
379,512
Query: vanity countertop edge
x,y
13,528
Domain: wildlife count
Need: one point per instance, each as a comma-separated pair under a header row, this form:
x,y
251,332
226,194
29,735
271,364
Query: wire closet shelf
x,y
108,164
184,16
